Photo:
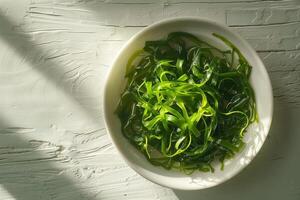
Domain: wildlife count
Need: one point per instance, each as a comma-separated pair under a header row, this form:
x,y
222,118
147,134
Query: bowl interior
x,y
256,133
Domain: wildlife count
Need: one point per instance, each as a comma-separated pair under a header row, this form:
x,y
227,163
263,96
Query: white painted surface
x,y
53,56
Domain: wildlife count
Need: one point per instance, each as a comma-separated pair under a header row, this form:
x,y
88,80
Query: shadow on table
x,y
26,174
52,71
266,174
18,175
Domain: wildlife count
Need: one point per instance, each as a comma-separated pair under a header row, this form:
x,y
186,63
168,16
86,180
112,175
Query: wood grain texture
x,y
53,59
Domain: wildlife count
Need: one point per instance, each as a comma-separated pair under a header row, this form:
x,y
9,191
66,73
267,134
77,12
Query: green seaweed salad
x,y
187,103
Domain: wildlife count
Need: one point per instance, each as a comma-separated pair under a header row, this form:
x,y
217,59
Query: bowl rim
x,y
167,21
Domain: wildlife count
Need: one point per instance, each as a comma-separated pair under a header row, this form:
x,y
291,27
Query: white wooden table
x,y
54,55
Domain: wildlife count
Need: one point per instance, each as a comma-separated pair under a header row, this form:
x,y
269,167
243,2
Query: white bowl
x,y
256,133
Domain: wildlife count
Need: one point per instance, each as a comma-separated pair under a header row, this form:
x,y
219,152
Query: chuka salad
x,y
187,103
